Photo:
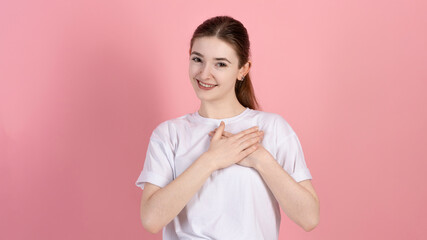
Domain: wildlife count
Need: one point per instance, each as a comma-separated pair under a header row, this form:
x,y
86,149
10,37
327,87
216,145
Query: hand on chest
x,y
193,141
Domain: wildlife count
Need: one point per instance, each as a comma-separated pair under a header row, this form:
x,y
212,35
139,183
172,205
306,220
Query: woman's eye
x,y
196,59
221,64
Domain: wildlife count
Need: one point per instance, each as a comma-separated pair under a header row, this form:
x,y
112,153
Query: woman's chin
x,y
203,97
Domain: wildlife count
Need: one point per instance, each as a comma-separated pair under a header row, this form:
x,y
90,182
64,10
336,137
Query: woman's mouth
x,y
205,86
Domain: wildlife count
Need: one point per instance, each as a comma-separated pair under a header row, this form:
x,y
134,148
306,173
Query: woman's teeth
x,y
206,85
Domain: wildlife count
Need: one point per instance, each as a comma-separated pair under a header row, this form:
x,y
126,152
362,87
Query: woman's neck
x,y
220,111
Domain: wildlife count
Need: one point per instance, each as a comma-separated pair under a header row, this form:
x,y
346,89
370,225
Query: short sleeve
x,y
158,165
289,152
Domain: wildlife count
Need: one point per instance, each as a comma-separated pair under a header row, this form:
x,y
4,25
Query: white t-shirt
x,y
234,202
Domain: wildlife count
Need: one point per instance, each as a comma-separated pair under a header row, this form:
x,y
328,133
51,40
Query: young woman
x,y
224,171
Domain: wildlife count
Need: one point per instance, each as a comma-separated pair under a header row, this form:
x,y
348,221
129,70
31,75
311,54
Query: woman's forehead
x,y
213,47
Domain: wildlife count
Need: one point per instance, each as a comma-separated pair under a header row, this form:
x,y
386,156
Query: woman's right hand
x,y
224,152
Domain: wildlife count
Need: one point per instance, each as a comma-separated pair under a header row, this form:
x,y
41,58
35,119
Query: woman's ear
x,y
245,69
249,63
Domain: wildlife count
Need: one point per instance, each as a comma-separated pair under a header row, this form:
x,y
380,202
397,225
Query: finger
x,y
247,137
248,151
227,134
249,142
218,133
242,133
224,133
222,137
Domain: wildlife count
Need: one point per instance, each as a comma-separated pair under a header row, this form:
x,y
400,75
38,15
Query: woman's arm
x,y
298,200
163,205
159,207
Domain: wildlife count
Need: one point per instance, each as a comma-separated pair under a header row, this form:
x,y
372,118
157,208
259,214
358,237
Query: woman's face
x,y
214,62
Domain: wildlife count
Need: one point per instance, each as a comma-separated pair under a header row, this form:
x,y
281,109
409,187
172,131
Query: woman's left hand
x,y
254,158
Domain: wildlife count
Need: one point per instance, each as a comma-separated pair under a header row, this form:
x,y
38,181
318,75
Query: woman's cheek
x,y
193,70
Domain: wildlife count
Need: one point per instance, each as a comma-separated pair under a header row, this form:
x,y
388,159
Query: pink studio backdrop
x,y
84,83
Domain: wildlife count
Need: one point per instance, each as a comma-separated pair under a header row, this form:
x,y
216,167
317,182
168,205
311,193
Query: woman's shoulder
x,y
168,127
269,116
275,120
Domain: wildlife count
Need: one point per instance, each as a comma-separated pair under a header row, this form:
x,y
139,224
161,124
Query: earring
x,y
243,78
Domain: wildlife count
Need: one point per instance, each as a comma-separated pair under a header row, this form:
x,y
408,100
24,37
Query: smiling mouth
x,y
206,85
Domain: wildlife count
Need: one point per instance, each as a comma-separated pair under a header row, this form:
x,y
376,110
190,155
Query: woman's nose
x,y
205,72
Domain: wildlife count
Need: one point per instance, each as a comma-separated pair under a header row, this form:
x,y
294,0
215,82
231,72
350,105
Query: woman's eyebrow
x,y
201,55
220,59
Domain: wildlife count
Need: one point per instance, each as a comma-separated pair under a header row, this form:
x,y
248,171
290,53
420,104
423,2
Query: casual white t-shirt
x,y
234,202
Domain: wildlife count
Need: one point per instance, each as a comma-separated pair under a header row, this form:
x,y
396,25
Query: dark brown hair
x,y
234,33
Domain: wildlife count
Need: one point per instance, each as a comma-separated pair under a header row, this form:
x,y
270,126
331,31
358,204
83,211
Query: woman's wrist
x,y
208,162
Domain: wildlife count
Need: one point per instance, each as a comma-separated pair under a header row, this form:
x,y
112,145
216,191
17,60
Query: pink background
x,y
84,83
